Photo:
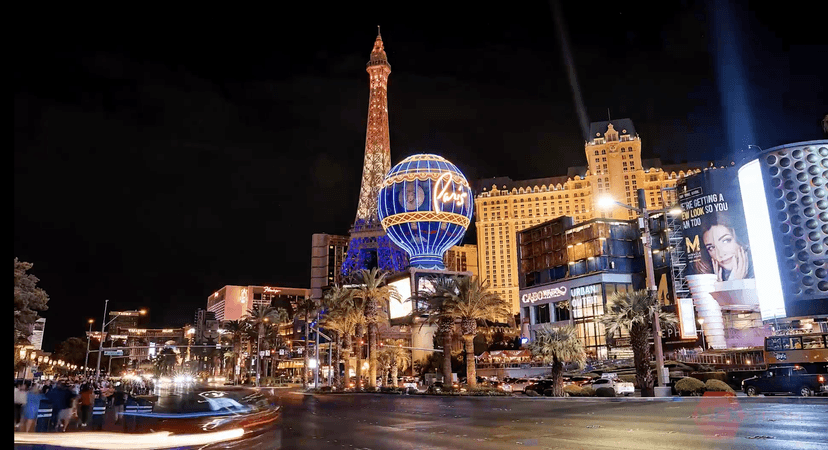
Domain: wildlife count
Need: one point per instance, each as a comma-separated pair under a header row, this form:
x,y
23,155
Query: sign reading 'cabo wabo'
x,y
545,294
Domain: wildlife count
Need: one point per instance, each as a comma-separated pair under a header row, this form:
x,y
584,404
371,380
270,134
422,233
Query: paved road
x,y
377,422
411,422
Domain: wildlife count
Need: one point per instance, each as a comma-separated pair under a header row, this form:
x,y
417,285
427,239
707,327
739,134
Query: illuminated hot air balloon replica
x,y
425,206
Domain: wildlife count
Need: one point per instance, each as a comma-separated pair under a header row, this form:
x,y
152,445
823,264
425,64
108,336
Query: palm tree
x,y
633,312
342,316
237,330
378,296
257,318
398,358
432,303
471,301
306,308
558,345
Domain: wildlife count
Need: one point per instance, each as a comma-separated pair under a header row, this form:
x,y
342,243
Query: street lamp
x,y
103,334
88,338
646,239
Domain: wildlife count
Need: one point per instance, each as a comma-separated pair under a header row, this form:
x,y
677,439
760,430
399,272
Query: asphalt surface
x,y
375,421
394,422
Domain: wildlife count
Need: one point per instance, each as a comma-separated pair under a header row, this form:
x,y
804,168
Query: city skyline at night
x,y
152,171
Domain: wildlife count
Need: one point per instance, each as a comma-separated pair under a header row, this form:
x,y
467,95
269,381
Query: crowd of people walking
x,y
72,400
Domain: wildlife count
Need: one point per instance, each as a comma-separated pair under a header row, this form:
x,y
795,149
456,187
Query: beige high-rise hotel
x,y
614,168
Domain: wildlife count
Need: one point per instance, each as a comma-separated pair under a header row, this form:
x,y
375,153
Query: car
x,y
539,387
786,380
435,388
581,380
624,388
501,386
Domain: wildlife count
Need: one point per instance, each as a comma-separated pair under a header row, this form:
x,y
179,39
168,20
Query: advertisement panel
x,y
719,255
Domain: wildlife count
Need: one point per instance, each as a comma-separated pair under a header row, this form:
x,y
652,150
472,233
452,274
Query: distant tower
x,y
369,246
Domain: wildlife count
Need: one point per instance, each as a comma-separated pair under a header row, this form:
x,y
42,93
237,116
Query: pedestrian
x,y
63,400
119,399
85,404
20,388
33,397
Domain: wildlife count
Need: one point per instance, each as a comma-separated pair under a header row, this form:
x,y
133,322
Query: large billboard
x,y
720,260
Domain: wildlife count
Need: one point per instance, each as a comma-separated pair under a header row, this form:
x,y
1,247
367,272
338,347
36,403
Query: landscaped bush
x,y
532,393
690,386
605,392
578,391
715,385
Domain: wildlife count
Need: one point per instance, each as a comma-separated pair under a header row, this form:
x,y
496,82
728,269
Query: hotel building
x,y
504,207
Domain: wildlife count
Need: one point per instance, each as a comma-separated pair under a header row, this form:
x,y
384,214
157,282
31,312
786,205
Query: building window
x,y
542,313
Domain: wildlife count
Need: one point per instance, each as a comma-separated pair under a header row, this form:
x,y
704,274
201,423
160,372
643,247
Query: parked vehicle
x,y
610,380
786,380
501,386
539,386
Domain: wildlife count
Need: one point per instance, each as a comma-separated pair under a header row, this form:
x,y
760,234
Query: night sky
x,y
159,158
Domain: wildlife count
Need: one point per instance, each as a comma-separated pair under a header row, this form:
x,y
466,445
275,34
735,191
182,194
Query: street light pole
x,y
646,239
100,346
86,360
316,352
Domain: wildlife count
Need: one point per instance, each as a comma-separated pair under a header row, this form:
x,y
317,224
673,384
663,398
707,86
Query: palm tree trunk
x,y
358,384
335,363
372,355
447,328
641,356
447,344
471,368
557,377
346,355
394,371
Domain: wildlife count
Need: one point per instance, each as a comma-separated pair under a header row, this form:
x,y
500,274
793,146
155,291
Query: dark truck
x,y
786,380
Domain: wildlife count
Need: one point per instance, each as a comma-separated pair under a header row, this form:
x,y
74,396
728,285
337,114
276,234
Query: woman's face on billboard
x,y
721,244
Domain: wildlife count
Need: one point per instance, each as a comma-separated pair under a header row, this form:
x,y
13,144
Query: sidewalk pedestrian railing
x,y
44,412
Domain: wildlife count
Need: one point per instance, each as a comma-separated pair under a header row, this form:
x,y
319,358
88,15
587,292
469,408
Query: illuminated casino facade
x,y
614,167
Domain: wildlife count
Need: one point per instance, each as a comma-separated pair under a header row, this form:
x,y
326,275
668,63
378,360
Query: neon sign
x,y
544,294
442,194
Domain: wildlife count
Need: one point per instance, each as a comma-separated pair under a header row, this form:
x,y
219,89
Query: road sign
x,y
113,353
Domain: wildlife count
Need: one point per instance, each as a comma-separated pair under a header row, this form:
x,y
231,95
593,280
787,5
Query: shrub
x,y
548,393
589,391
531,393
690,386
718,386
605,392
574,391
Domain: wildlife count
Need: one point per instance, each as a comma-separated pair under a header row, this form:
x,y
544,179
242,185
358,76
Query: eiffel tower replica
x,y
368,246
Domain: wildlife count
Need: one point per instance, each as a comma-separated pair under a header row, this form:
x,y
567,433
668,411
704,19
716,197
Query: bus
x,y
807,350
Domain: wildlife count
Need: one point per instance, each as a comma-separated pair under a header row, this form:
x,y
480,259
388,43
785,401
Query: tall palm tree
x,y
398,358
471,301
272,339
258,317
558,345
306,309
343,314
432,302
378,296
633,312
237,330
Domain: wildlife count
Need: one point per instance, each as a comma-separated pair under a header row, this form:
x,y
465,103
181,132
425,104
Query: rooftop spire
x,y
378,57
